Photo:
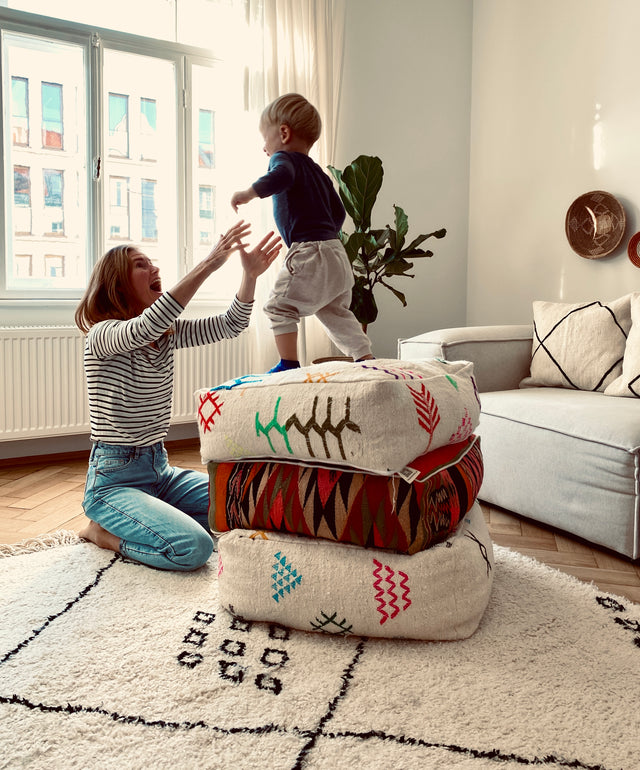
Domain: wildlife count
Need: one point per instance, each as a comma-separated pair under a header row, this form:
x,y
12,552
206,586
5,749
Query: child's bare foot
x,y
96,534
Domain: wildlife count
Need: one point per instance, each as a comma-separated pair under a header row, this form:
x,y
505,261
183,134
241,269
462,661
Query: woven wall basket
x,y
595,224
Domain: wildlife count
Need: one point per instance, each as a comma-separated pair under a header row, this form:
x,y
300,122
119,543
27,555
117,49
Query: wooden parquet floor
x,y
45,496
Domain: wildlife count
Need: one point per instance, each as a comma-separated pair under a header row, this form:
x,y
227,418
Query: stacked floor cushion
x,y
440,593
378,456
350,506
375,416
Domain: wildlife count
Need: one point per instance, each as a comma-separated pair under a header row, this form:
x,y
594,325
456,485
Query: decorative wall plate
x,y
595,224
634,249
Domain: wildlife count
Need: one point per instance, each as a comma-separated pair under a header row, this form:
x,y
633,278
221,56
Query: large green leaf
x,y
363,303
402,226
359,185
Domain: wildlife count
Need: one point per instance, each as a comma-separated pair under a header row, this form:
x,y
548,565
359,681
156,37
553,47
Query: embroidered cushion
x,y
579,346
375,416
628,383
334,588
350,506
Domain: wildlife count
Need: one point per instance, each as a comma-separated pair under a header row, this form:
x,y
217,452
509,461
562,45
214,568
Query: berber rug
x,y
108,664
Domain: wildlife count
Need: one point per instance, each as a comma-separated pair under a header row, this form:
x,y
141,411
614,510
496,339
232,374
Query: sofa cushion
x,y
316,585
628,383
376,415
566,458
350,506
579,346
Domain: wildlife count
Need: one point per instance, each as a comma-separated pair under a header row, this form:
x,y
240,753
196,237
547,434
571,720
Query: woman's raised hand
x,y
228,242
256,261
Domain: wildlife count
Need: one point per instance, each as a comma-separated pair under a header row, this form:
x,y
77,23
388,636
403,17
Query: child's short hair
x,y
298,113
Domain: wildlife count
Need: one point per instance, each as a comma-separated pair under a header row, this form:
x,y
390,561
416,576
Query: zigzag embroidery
x,y
391,591
379,592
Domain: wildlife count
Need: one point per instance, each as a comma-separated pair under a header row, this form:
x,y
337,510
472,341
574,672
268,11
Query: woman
x,y
138,505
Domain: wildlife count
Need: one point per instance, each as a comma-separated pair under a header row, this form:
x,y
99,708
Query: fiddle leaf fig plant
x,y
376,254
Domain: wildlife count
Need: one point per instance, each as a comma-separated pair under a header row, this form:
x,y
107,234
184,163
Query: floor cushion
x,y
310,584
375,416
350,506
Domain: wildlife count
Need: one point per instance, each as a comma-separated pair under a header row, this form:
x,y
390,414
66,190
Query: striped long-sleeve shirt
x,y
130,383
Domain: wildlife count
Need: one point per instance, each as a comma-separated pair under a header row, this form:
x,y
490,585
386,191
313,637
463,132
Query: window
x,y
20,110
206,214
119,208
142,96
47,80
118,125
205,139
148,129
23,265
126,147
53,196
149,213
54,266
21,200
52,116
21,186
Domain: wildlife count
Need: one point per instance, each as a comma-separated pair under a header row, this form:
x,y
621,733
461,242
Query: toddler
x,y
316,277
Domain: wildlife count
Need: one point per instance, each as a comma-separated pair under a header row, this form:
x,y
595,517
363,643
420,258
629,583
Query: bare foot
x,y
96,534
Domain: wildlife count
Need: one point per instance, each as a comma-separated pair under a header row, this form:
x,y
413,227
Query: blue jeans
x,y
158,512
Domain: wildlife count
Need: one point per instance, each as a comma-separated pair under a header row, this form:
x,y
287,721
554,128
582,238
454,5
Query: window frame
x,y
57,305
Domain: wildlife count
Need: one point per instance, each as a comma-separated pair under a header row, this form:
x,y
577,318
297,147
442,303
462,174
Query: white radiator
x,y
43,383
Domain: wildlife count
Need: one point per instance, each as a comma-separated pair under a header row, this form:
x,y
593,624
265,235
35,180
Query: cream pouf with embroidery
x,y
375,416
440,593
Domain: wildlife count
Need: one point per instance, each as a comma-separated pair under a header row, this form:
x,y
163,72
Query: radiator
x,y
44,389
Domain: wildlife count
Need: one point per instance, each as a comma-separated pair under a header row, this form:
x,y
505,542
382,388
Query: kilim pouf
x,y
310,584
403,513
375,416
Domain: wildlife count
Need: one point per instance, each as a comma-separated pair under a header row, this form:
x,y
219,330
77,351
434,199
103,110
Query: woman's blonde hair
x,y
108,294
297,113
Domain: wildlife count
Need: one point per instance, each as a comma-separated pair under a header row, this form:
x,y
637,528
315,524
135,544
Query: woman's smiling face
x,y
144,280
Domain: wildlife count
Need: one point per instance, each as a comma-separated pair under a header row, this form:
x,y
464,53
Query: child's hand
x,y
243,196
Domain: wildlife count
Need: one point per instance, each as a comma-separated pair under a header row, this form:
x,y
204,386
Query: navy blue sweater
x,y
306,206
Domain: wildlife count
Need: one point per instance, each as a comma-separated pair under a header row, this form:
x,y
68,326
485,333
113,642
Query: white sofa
x,y
564,457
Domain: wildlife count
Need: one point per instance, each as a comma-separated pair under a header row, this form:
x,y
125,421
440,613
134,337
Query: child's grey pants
x,y
316,279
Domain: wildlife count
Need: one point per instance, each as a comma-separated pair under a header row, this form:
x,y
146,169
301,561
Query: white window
x,y
108,139
45,154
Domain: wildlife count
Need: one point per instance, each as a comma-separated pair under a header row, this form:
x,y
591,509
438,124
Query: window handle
x,y
96,168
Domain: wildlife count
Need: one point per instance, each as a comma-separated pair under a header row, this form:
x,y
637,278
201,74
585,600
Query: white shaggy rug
x,y
106,664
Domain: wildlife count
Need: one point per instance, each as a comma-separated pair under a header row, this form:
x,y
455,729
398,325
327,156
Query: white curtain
x,y
295,46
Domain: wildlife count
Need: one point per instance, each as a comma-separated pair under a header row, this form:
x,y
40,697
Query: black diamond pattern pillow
x,y
579,346
628,384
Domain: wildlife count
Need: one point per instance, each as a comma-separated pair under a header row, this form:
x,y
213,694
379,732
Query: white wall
x,y
406,98
555,113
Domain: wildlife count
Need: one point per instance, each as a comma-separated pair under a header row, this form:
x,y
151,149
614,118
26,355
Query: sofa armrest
x,y
501,355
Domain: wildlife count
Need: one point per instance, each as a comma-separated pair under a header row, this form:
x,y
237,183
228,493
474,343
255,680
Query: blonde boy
x,y
316,277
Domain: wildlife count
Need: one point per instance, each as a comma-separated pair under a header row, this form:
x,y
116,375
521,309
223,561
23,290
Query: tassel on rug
x,y
32,544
